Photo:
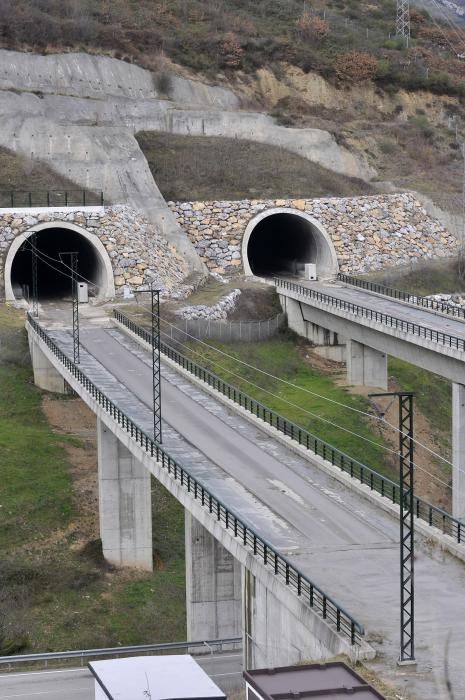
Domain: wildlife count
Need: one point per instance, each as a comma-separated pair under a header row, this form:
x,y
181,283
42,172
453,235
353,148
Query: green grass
x,y
90,606
282,357
36,487
431,277
209,168
433,396
56,594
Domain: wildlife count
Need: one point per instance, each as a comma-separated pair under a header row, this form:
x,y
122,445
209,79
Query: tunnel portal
x,y
53,274
281,242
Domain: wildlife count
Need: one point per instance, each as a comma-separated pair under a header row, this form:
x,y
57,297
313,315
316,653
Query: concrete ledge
x,y
430,533
325,641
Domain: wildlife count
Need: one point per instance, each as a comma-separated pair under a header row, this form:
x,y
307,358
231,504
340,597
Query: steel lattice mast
x,y
74,301
403,21
407,532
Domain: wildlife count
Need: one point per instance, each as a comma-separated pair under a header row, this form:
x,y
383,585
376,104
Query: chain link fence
x,y
224,331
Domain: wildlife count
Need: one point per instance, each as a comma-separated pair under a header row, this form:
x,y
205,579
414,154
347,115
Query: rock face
x,y
368,233
138,253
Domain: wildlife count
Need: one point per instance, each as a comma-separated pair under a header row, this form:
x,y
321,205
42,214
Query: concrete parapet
x,y
124,503
279,629
213,586
458,451
366,366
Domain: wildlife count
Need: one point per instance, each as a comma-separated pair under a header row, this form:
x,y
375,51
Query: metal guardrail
x,y
115,651
451,341
434,516
50,198
278,564
433,304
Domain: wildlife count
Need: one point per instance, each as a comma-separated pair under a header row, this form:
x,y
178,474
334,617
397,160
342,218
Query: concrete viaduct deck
x,y
372,327
335,536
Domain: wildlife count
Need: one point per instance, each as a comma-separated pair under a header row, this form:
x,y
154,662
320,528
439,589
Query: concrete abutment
x,y
46,377
124,503
366,366
458,451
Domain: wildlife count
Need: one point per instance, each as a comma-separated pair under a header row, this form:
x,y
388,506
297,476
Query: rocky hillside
x,y
344,40
332,66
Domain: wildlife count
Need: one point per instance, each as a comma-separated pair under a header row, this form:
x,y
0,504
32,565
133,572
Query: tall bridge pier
x,y
236,584
125,506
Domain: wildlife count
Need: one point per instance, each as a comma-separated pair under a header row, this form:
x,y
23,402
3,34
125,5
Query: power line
x,y
295,386
452,24
379,419
314,415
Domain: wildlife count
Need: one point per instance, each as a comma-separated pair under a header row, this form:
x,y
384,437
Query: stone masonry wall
x,y
139,255
369,233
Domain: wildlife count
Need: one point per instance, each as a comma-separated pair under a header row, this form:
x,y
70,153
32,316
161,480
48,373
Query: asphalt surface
x,y
401,310
78,683
340,540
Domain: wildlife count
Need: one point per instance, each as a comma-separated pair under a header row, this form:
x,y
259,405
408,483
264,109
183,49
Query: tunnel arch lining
x,y
108,286
321,236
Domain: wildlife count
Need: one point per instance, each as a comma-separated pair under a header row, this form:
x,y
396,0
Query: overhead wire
x,y
318,417
276,396
40,253
452,24
379,419
454,28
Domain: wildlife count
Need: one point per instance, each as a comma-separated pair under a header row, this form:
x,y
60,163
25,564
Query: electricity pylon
x,y
403,21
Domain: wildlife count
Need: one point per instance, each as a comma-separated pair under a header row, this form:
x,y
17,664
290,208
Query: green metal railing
x,y
433,304
435,517
322,604
50,198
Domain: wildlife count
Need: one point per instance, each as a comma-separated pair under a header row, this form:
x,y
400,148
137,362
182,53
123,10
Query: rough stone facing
x,y
139,254
369,233
214,312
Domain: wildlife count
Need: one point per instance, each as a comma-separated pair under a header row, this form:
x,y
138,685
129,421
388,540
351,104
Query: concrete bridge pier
x,y
366,366
46,377
458,451
124,503
213,585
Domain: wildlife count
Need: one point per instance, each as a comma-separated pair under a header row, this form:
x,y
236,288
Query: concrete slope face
x,y
79,113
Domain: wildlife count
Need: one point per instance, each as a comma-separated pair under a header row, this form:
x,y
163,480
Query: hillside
x,y
331,66
216,37
202,168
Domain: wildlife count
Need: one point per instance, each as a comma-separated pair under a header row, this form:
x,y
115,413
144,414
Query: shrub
x,y
355,66
232,51
395,44
312,28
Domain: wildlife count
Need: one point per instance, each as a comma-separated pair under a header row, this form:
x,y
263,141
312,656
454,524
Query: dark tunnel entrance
x,y
282,243
53,276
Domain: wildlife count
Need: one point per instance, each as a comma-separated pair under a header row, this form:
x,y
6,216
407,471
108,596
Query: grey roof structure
x,y
331,681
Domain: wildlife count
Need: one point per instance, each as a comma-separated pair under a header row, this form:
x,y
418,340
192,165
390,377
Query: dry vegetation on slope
x,y
346,40
203,168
